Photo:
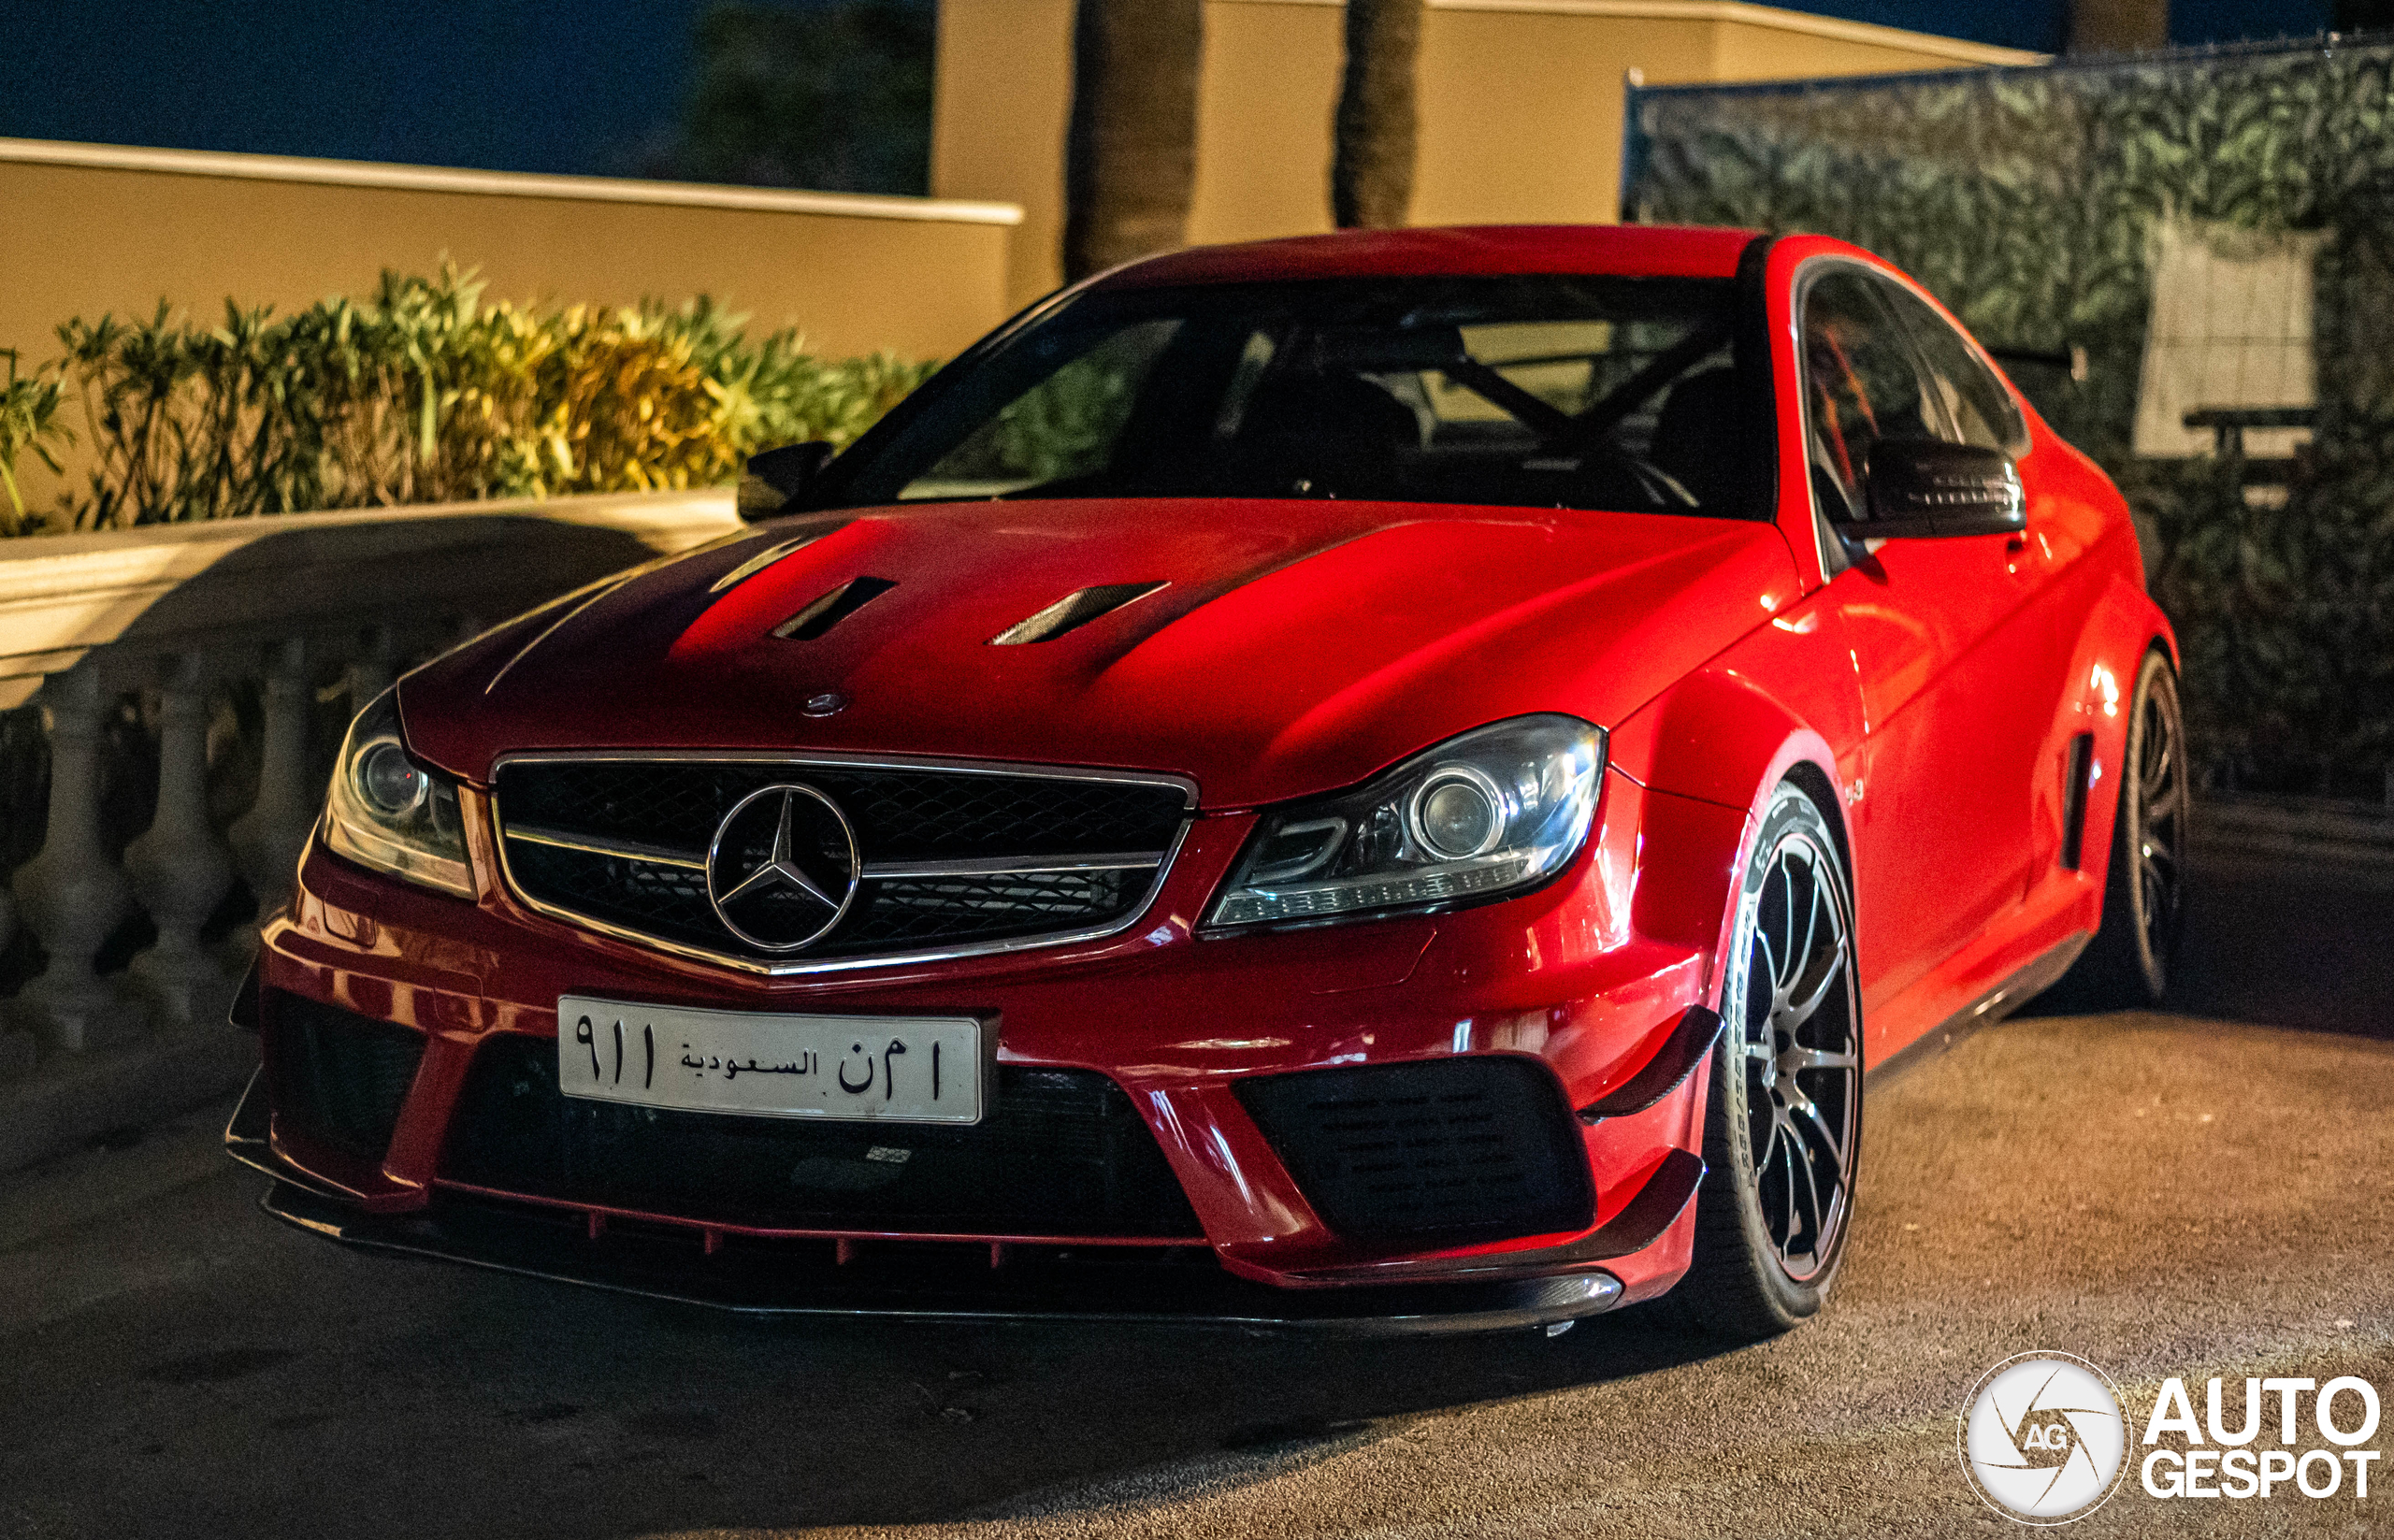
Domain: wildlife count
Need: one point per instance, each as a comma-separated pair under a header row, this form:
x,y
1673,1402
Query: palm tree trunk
x,y
1371,166
2118,26
1131,152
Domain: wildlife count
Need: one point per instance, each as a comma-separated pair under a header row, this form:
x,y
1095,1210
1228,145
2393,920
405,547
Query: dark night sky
x,y
540,85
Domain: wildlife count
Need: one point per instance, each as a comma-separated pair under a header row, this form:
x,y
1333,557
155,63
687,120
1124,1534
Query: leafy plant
x,y
28,420
423,393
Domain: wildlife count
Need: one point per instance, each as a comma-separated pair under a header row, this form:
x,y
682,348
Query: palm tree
x,y
1131,152
1371,166
2118,26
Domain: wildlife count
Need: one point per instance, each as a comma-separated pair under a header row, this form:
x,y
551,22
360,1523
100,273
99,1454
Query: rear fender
x,y
2121,626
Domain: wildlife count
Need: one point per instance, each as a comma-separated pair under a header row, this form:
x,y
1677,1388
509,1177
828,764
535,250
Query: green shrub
x,y
424,394
28,420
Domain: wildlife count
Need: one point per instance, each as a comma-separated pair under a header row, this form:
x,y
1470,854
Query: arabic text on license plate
x,y
892,1069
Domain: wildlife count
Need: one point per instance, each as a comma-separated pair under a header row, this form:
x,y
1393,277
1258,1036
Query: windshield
x,y
1538,391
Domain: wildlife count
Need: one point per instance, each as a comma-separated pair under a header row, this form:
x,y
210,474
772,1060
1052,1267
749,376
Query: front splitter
x,y
908,1281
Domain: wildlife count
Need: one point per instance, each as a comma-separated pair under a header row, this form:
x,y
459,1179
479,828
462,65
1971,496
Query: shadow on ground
x,y
287,1387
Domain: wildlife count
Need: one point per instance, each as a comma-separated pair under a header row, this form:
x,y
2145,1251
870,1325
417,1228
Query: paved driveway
x,y
2165,1195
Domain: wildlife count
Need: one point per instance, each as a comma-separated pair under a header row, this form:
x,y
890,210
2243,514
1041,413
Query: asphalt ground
x,y
2200,1194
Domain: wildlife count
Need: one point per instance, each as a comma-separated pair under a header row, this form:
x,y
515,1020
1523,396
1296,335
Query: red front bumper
x,y
1587,977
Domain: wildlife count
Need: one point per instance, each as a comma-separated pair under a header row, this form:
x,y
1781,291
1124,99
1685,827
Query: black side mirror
x,y
1922,487
778,478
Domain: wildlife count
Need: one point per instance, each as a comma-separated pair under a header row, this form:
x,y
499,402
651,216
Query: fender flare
x,y
1709,751
2122,625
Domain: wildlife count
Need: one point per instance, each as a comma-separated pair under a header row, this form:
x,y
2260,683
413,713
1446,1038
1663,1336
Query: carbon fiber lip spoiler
x,y
1087,1285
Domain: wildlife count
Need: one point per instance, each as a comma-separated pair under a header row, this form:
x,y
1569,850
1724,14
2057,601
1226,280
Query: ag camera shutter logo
x,y
2043,1440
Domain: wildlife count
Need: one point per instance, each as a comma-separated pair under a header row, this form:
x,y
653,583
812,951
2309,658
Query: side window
x,y
1983,410
1860,385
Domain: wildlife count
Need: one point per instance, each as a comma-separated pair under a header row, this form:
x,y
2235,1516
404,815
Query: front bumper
x,y
938,1283
1586,979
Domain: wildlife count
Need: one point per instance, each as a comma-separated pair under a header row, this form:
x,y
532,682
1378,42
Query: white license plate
x,y
858,1069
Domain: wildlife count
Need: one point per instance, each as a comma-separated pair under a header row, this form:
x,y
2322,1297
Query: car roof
x,y
1629,250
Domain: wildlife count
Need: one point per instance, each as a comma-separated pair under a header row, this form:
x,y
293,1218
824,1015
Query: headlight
x,y
387,811
1500,808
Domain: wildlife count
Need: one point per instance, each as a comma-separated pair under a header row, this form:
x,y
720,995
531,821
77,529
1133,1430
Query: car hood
x,y
1293,647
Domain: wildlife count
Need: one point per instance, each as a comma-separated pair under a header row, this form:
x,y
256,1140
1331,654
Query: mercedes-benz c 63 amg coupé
x,y
1388,781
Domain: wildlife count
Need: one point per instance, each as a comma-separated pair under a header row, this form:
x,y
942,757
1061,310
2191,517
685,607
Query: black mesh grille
x,y
338,1078
1061,1152
898,816
1445,1152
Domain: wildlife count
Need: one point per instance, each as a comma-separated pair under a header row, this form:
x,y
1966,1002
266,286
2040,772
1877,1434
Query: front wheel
x,y
1783,1121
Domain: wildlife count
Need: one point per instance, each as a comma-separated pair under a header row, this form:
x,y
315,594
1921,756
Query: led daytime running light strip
x,y
1454,880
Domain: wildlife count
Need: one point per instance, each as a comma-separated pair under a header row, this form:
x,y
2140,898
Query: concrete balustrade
x,y
316,615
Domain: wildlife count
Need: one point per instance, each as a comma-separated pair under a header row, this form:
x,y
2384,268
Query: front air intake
x,y
1062,1153
1448,1152
338,1078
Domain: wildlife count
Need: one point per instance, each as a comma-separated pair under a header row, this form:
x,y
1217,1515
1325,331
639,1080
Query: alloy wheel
x,y
1794,1022
2156,808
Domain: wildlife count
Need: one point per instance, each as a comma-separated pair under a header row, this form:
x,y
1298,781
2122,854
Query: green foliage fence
x,y
423,394
2031,202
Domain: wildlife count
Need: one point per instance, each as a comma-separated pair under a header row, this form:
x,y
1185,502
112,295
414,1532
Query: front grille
x,y
338,1078
1059,1152
1445,1153
947,858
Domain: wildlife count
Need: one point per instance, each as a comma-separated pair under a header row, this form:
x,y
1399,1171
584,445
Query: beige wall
x,y
117,230
1005,90
1522,104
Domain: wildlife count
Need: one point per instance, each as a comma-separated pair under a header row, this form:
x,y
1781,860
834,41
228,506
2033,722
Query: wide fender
x,y
1711,751
2122,624
1721,736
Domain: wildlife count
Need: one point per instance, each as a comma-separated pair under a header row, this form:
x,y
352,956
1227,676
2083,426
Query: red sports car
x,y
1385,782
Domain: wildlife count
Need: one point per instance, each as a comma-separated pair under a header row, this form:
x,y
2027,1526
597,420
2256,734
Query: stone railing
x,y
170,699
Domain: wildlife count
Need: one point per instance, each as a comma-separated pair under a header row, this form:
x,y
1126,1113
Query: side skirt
x,y
2024,984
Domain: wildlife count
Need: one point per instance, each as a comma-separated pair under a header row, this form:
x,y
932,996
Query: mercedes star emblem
x,y
783,867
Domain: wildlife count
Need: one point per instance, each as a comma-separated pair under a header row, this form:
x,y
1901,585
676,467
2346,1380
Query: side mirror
x,y
1925,487
777,478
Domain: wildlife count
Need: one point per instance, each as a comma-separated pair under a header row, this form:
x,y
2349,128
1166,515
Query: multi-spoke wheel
x,y
1783,1121
2128,963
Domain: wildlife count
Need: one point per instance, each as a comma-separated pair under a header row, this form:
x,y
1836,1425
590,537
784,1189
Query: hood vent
x,y
832,607
1073,612
759,562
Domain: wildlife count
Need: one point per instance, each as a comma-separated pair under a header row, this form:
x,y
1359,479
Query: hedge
x,y
421,393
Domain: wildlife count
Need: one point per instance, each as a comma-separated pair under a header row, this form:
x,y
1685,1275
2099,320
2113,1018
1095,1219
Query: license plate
x,y
850,1069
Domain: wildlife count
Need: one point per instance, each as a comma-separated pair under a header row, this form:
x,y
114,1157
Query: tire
x,y
2129,963
1783,1122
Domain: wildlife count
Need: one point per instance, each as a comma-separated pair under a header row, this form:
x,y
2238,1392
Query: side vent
x,y
1073,612
2073,800
832,607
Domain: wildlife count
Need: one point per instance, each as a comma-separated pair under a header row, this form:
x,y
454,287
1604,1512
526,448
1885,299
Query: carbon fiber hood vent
x,y
1073,612
832,607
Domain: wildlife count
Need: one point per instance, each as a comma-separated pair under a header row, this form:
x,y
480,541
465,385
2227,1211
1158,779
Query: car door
x,y
2039,640
1940,824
